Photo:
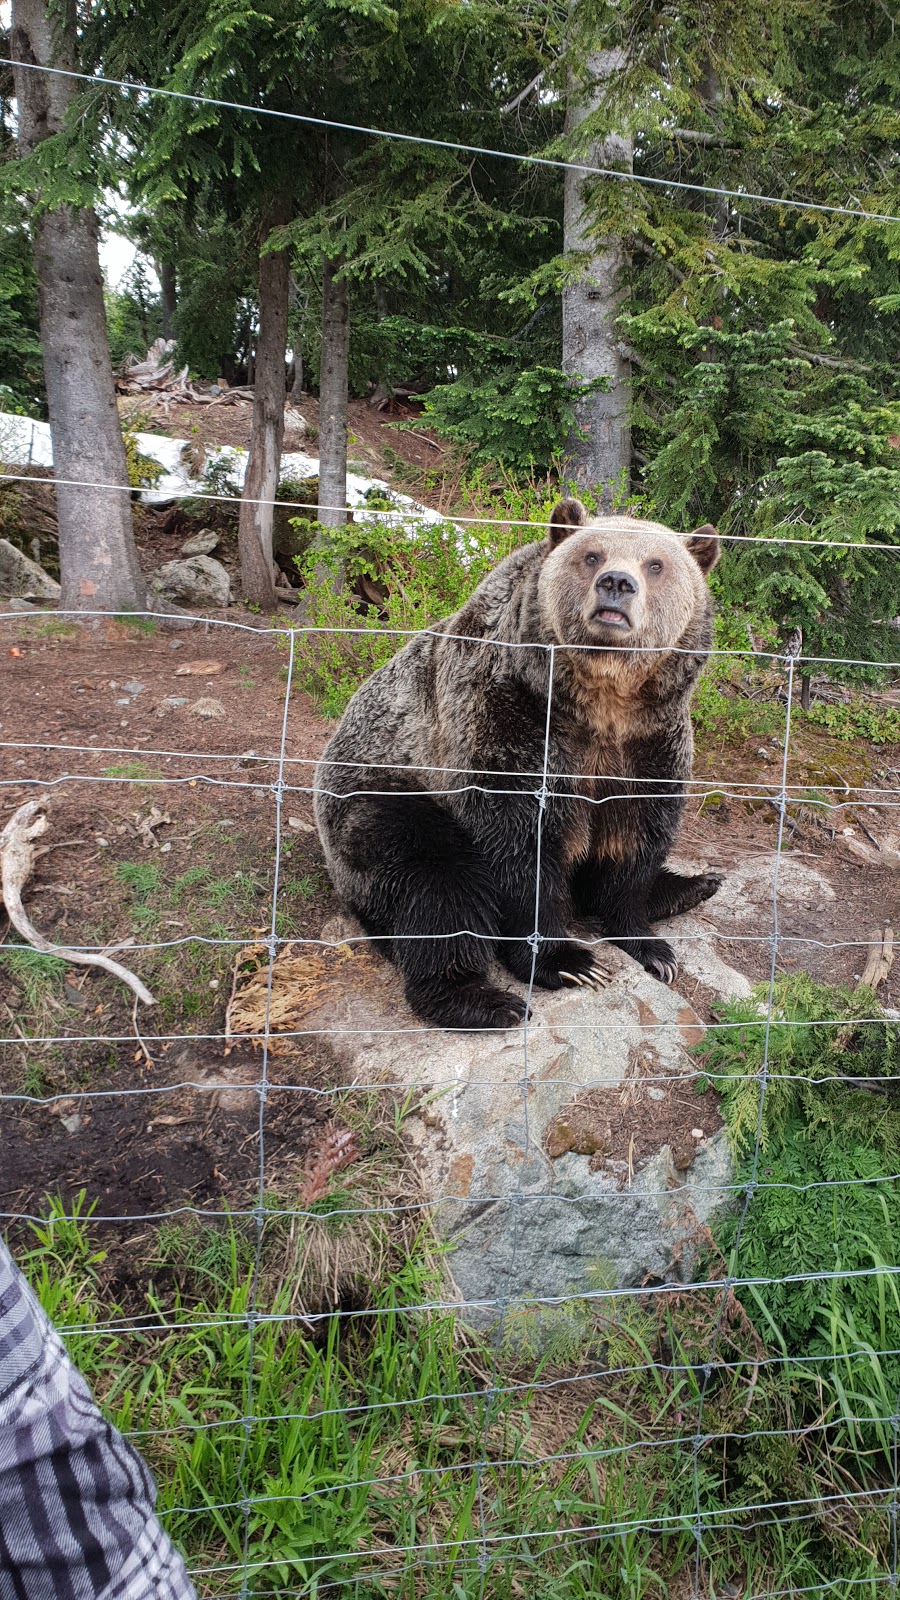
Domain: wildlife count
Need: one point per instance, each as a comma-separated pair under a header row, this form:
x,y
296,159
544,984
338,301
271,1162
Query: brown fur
x,y
612,618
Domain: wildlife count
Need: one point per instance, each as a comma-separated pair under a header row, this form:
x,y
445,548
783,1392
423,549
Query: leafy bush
x,y
426,570
143,471
521,420
827,1201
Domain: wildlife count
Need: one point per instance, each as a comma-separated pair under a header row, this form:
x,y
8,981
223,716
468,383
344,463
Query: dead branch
x,y
17,855
880,960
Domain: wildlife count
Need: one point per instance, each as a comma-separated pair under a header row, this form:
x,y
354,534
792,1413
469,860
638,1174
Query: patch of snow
x,y
25,442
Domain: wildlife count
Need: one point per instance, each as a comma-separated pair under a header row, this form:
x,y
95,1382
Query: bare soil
x,y
105,766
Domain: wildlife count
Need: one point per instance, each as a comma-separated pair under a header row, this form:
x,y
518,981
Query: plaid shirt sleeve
x,y
77,1502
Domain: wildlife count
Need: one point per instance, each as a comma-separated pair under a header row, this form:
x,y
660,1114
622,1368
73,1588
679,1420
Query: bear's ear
x,y
703,545
564,519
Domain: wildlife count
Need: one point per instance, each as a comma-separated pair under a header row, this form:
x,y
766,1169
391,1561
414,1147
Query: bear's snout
x,y
616,585
616,593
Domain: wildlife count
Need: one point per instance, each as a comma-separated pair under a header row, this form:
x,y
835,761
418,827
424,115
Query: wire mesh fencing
x,y
445,1501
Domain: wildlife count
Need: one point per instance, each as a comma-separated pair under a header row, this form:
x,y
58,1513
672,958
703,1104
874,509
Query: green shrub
x,y
520,420
427,570
827,1201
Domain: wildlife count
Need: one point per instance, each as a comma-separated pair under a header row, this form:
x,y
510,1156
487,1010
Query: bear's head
x,y
624,585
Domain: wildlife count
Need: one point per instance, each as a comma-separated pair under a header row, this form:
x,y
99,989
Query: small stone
x,y
175,700
123,701
74,996
176,644
763,755
214,983
559,1140
72,1123
165,848
300,826
16,604
201,544
103,843
683,1153
697,1133
588,1144
207,707
133,687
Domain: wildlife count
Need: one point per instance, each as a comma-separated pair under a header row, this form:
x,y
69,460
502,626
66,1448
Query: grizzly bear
x,y
520,768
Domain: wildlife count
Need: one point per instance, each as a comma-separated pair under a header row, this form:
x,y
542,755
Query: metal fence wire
x,y
464,1565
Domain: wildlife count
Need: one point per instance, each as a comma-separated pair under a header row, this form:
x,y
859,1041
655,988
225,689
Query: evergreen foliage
x,y
826,1197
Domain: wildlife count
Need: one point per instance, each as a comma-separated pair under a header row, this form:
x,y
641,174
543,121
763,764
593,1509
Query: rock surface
x,y
201,544
21,576
196,581
573,1152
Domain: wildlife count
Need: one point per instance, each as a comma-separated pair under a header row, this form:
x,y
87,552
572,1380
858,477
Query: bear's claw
x,y
665,971
596,977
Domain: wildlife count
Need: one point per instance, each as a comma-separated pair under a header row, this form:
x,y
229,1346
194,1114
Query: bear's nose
x,y
616,583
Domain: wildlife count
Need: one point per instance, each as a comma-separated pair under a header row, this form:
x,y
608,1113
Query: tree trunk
x,y
333,396
98,561
297,391
591,347
382,390
267,430
168,284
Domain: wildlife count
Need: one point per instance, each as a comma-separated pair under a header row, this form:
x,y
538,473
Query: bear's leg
x,y
674,893
618,893
423,893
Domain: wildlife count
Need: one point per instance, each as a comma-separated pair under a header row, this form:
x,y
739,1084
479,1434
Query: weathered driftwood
x,y
881,959
17,854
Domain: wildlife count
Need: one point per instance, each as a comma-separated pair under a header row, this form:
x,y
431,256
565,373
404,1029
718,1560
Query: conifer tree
x,y
99,568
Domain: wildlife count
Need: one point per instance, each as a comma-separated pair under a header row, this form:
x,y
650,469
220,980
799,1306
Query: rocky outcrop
x,y
21,576
577,1149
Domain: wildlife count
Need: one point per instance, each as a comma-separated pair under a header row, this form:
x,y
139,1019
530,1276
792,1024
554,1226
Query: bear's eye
x,y
655,567
592,559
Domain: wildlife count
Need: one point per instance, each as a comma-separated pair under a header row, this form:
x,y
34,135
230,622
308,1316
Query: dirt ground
x,y
162,830
90,717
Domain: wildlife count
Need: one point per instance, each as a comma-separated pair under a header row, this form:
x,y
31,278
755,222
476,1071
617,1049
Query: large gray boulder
x,y
21,576
574,1154
197,581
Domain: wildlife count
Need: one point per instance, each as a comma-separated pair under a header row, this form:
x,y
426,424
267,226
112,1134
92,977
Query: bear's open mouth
x,y
616,619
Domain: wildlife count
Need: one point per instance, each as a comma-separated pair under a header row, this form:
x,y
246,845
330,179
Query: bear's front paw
x,y
562,964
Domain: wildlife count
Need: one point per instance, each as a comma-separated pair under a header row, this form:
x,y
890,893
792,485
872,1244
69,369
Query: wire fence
x,y
469,1560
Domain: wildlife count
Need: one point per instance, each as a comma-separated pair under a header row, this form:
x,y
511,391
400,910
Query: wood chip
x,y
200,669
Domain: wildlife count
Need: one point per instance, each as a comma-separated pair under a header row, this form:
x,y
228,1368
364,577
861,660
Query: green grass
x,y
367,1433
141,877
57,629
137,770
35,975
142,625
